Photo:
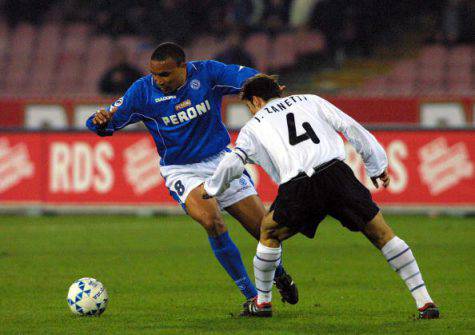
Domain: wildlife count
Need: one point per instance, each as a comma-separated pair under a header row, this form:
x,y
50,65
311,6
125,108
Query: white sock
x,y
400,257
265,263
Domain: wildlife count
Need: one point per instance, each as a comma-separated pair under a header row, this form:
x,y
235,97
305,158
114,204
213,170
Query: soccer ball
x,y
87,296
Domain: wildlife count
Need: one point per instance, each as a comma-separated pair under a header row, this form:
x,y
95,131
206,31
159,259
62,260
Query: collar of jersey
x,y
267,104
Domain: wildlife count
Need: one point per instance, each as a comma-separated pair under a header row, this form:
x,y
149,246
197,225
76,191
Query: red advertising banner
x,y
22,173
433,168
426,168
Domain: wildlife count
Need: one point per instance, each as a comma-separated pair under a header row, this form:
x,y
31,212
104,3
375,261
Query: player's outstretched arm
x,y
231,167
373,154
124,111
103,116
100,120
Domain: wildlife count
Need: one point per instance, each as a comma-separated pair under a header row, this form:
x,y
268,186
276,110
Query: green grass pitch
x,y
162,278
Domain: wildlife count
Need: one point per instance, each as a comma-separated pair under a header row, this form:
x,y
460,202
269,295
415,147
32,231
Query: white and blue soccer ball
x,y
87,296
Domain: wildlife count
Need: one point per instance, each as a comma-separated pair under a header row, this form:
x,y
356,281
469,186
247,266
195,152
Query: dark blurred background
x,y
384,47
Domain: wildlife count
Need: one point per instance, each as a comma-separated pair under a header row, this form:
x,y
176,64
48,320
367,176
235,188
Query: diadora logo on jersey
x,y
119,102
183,104
168,97
188,114
195,84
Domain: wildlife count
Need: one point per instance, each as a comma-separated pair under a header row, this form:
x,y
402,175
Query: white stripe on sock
x,y
265,262
400,257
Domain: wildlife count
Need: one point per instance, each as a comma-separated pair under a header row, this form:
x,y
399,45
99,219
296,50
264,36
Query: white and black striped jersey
x,y
296,134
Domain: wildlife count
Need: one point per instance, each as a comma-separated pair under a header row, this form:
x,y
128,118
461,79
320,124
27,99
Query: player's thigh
x,y
298,207
181,181
249,212
349,201
378,231
206,212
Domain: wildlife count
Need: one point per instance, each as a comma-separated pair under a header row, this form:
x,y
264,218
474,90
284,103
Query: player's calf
x,y
206,212
268,257
265,262
401,259
378,231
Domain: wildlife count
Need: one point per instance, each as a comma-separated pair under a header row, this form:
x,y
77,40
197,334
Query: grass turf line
x,y
162,278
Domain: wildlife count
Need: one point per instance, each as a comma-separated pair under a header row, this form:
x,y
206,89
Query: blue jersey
x,y
186,125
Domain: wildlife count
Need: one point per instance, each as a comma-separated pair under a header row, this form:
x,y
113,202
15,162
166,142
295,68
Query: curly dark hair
x,y
261,85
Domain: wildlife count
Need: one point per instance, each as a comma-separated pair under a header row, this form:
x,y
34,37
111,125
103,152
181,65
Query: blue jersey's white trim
x,y
161,137
237,88
126,122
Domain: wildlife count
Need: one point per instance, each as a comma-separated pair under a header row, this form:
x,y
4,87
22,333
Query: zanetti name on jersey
x,y
188,114
281,106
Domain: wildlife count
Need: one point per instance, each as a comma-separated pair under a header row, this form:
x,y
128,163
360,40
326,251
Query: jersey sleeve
x,y
373,154
232,165
128,111
228,79
246,145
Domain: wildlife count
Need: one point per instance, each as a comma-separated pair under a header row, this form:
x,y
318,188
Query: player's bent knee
x,y
269,238
213,224
267,225
267,233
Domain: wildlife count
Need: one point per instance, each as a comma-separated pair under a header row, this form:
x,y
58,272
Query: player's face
x,y
167,74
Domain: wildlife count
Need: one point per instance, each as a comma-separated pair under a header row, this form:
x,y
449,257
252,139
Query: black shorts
x,y
303,202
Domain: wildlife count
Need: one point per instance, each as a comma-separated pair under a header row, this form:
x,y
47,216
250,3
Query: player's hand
x,y
103,116
204,194
384,177
282,88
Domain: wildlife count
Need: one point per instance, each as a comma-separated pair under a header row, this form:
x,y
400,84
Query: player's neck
x,y
265,103
185,75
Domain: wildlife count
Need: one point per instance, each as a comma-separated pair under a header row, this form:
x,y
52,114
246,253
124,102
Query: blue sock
x,y
228,255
